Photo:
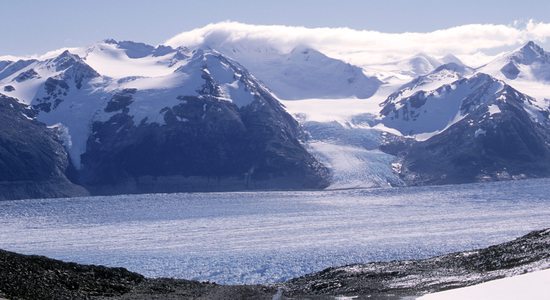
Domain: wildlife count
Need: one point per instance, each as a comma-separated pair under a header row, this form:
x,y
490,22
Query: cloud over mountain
x,y
473,43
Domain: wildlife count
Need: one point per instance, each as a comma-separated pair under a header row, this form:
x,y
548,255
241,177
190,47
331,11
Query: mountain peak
x,y
452,66
305,53
529,53
420,64
450,58
302,49
65,60
531,45
110,41
483,77
72,65
66,54
423,56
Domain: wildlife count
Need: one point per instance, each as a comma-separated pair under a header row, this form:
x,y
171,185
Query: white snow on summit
x,y
112,59
427,113
305,73
527,69
301,73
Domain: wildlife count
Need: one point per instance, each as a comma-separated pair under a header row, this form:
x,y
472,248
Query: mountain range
x,y
126,117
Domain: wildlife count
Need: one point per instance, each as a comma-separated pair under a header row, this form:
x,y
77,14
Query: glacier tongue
x,y
354,166
345,142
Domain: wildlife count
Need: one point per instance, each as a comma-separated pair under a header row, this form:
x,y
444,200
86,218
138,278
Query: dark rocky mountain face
x,y
4,64
11,68
33,162
501,136
205,143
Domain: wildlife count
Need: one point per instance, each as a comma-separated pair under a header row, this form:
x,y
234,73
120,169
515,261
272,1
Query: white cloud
x,y
475,43
9,57
538,31
47,55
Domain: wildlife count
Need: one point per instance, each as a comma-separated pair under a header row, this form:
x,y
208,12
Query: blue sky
x,y
37,26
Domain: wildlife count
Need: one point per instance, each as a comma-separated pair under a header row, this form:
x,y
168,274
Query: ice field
x,y
265,237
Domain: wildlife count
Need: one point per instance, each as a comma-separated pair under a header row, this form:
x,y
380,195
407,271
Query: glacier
x,y
266,237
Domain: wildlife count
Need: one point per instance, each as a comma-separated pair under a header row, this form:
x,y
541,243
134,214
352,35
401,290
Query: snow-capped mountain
x,y
419,64
474,129
527,69
431,103
139,118
530,62
65,90
219,129
503,136
444,74
461,125
204,116
429,112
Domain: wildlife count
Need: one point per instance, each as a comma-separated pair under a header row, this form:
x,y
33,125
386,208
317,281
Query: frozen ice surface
x,y
262,237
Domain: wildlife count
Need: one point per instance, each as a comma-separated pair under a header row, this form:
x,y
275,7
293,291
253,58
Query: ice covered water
x,y
260,237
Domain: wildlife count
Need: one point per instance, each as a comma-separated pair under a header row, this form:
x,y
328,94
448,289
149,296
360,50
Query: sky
x,y
32,27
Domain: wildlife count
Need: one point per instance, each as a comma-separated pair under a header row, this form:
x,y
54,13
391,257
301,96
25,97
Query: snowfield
x,y
532,286
264,237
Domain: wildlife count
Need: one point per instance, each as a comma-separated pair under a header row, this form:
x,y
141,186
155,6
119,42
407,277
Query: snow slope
x,y
111,59
306,73
407,68
301,73
533,286
428,113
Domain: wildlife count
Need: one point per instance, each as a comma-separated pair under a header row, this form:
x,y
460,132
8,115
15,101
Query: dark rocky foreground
x,y
398,279
37,277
